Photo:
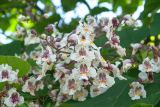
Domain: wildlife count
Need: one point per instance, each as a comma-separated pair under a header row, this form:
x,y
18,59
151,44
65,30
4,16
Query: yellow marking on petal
x,y
152,38
92,43
103,60
83,40
80,94
138,92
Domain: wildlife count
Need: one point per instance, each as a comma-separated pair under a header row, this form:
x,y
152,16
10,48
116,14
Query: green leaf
x,y
98,10
2,84
155,25
39,26
128,6
150,6
142,105
69,28
11,49
7,5
30,48
48,103
102,1
129,35
27,96
46,2
16,63
68,4
100,41
23,105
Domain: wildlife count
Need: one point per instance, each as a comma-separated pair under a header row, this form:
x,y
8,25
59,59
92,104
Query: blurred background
x,y
67,13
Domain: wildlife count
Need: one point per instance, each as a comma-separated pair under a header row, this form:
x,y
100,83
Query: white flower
x,y
46,15
22,18
23,56
117,73
95,91
85,34
91,21
129,20
121,51
136,91
80,95
156,65
20,31
35,54
30,86
135,47
114,41
99,57
71,86
46,56
146,77
146,66
82,53
53,94
31,38
103,79
39,85
39,73
62,43
73,38
85,29
85,71
46,59
60,71
62,98
143,76
127,64
107,27
13,99
7,74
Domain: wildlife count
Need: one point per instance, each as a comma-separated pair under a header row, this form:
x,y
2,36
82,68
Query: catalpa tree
x,y
100,62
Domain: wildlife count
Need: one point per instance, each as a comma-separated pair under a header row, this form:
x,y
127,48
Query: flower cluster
x,y
74,62
78,61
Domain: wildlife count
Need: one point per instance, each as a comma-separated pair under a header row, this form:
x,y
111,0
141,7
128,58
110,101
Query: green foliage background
x,y
117,96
